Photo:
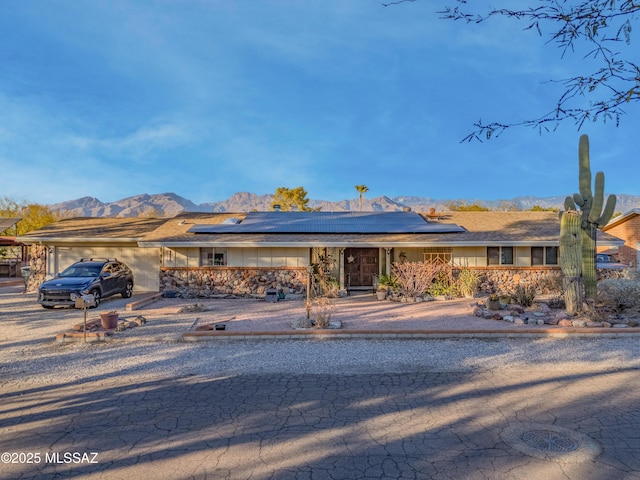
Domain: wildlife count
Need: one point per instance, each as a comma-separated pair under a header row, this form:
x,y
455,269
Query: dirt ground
x,y
168,318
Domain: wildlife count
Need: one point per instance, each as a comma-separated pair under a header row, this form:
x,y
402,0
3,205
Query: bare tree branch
x,y
603,26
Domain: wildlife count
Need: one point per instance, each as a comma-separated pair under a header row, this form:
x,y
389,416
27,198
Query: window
x,y
499,255
213,257
544,256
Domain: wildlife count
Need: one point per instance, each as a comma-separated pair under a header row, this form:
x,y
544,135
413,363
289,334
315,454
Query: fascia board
x,y
58,240
345,244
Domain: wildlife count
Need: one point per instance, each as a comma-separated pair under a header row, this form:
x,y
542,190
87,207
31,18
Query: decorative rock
x,y
510,319
620,325
539,314
594,324
544,308
565,323
579,323
519,321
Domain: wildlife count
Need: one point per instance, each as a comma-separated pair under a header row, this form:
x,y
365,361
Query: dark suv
x,y
99,277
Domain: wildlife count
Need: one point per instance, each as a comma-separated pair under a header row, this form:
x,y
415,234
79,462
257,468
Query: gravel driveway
x,y
30,354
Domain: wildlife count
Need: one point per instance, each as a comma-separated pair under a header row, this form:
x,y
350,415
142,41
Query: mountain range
x,y
171,204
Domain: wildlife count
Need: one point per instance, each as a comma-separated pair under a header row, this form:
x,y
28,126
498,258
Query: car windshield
x,y
81,271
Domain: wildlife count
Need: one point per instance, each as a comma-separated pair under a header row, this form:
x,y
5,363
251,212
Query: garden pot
x,y
109,320
382,294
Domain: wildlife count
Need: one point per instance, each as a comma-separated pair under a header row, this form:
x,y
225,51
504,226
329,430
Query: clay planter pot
x,y
109,320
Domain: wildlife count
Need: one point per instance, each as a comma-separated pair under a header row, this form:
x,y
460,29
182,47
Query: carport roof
x,y
7,223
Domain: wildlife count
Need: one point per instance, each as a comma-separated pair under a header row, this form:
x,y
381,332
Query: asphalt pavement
x,y
485,425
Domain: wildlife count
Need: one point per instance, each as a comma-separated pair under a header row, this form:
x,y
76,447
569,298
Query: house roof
x,y
93,229
471,229
621,218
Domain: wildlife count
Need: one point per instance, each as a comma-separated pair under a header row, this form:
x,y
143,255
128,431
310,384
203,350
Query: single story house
x,y
627,228
247,253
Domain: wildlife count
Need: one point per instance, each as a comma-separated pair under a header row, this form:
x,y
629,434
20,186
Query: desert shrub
x,y
524,295
321,310
551,283
467,282
414,278
619,294
596,313
557,301
443,285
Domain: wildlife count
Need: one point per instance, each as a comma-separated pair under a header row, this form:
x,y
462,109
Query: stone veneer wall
x,y
241,281
38,264
504,280
547,280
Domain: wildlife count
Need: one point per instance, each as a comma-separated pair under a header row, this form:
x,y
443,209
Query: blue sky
x,y
207,98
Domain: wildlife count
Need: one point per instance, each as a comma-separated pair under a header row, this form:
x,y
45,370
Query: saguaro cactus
x,y
593,216
571,260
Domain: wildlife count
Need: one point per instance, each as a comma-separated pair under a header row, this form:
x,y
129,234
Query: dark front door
x,y
360,265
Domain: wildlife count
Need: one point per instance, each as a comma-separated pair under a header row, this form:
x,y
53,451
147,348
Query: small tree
x,y
288,198
32,215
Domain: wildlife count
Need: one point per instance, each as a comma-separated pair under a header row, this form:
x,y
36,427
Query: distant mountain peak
x,y
170,204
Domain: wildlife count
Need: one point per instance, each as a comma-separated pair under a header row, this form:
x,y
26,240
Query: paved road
x,y
498,424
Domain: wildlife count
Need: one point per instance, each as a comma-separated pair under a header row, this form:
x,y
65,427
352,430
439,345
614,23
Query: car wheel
x,y
128,290
96,298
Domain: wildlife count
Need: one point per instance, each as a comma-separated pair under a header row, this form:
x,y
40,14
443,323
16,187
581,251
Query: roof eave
x,y
51,240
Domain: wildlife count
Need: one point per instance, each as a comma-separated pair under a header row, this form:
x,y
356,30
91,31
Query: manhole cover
x,y
550,442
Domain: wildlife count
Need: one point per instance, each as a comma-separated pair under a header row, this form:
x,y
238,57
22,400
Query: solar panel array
x,y
330,222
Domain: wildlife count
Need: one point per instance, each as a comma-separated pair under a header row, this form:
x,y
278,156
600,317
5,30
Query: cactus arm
x,y
577,198
608,211
569,204
598,198
585,167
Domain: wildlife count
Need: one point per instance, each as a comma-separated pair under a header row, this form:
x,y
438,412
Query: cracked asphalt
x,y
247,411
368,426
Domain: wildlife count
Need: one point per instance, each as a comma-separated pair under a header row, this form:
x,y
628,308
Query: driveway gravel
x,y
30,354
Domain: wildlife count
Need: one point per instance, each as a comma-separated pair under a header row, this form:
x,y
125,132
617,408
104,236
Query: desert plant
x,y
322,308
443,285
414,278
387,281
524,295
468,281
618,294
593,215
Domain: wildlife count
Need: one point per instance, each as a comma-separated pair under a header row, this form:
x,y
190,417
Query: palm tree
x,y
362,189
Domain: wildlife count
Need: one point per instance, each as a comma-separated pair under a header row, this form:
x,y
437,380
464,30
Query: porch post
x,y
341,269
388,260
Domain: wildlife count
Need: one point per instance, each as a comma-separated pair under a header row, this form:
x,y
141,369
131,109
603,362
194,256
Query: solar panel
x,y
330,222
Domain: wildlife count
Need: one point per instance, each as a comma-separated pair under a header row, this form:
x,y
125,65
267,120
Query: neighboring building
x,y
627,228
246,253
12,252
